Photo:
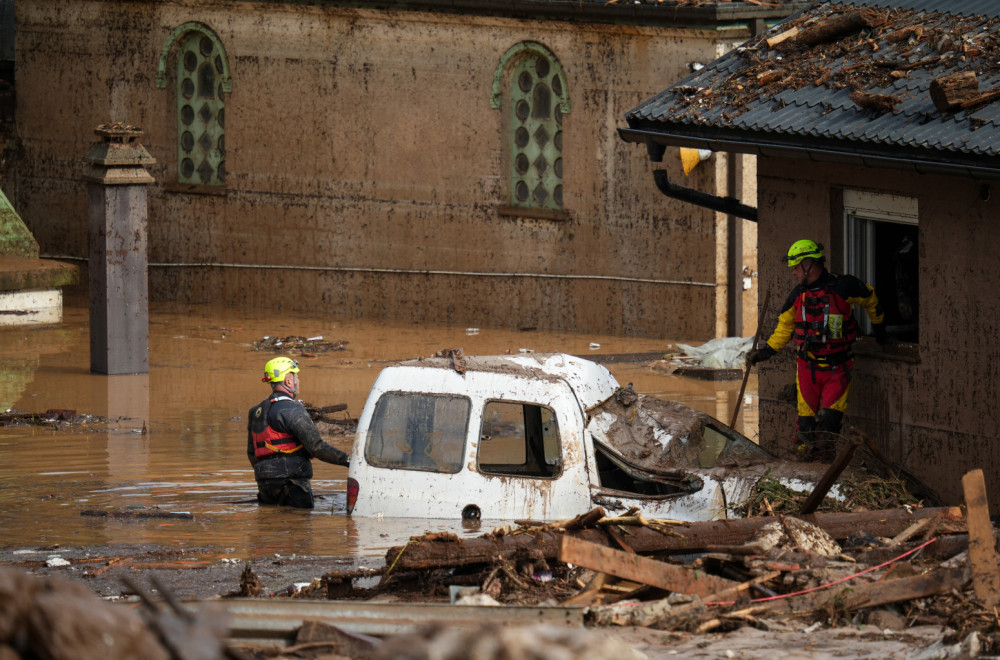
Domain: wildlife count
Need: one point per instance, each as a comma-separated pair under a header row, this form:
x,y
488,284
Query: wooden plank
x,y
784,36
653,612
640,569
982,546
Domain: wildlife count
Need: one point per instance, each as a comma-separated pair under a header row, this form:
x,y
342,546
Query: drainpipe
x,y
727,205
734,225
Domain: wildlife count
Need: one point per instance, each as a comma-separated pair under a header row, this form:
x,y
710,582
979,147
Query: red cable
x,y
849,577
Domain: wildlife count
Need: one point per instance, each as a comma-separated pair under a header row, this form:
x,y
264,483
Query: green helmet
x,y
804,249
275,370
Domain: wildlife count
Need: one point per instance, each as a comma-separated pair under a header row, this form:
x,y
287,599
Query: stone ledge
x,y
22,273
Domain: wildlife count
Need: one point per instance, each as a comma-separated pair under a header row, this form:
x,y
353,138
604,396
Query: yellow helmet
x,y
804,249
276,369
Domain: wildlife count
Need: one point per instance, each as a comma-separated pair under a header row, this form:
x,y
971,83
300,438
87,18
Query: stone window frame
x,y
509,96
212,141
867,217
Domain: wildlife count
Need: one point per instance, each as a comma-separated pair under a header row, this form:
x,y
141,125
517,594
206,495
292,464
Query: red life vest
x,y
267,441
824,325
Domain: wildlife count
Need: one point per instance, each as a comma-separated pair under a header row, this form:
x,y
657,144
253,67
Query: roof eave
x,y
623,12
921,161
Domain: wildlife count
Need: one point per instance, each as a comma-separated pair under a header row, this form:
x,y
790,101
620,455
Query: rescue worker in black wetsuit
x,y
282,438
818,317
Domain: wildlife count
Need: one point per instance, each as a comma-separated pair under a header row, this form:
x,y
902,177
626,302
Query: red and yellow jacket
x,y
818,318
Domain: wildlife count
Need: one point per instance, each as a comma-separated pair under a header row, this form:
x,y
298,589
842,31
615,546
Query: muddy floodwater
x,y
174,440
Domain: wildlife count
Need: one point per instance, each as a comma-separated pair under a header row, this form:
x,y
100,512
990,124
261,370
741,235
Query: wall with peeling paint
x,y
364,159
931,409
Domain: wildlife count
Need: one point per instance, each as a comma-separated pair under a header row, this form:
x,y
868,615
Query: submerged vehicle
x,y
544,437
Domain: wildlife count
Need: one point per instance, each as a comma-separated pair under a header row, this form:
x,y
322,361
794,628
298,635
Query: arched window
x,y
537,101
202,83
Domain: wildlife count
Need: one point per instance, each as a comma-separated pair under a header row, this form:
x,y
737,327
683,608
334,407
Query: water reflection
x,y
174,440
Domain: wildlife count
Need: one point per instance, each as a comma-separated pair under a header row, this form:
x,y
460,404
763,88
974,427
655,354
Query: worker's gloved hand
x,y
760,354
881,336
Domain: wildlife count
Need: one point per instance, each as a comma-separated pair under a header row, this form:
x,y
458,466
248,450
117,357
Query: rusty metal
x,y
273,623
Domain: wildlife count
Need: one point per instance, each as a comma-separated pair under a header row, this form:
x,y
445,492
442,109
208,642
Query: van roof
x,y
591,382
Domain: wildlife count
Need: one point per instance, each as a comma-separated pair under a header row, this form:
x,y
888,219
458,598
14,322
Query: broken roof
x,y
889,83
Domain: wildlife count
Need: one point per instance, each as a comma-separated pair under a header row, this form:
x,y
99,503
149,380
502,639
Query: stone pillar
x,y
119,284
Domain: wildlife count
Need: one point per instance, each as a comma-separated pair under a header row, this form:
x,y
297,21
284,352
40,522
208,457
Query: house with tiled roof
x,y
446,160
875,127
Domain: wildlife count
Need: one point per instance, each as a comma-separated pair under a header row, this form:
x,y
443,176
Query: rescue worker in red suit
x,y
282,438
817,317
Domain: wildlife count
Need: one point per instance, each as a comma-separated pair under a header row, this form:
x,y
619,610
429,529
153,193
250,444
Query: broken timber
x,y
982,544
641,569
680,538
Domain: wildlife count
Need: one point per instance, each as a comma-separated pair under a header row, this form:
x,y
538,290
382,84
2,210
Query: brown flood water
x,y
204,375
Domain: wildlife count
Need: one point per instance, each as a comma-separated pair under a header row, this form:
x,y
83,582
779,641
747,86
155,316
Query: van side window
x,y
418,432
519,439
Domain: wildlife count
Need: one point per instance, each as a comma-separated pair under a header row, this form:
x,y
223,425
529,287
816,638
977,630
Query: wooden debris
x,y
658,574
986,97
784,36
771,76
590,592
839,26
843,458
950,91
880,103
855,597
683,538
911,531
982,544
656,612
117,562
584,520
138,514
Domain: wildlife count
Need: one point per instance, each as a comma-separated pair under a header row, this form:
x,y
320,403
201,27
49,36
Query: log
x,y
643,570
881,103
683,538
845,452
949,92
138,515
838,26
851,598
985,97
982,544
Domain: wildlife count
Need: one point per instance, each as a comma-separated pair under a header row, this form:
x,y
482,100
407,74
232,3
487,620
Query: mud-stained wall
x,y
365,166
931,410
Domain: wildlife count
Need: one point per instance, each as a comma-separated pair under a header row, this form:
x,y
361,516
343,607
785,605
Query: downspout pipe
x,y
727,205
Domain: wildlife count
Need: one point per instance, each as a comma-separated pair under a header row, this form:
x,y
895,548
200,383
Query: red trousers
x,y
822,388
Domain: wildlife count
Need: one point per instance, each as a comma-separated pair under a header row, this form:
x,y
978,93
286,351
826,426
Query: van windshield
x,y
418,432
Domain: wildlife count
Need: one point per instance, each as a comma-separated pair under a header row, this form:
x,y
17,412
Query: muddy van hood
x,y
665,436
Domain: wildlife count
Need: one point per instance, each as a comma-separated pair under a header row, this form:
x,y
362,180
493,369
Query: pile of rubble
x,y
893,568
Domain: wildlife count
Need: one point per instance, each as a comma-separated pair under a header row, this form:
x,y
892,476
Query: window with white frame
x,y
881,241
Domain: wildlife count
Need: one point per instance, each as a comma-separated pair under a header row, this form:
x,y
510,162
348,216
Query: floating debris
x,y
301,345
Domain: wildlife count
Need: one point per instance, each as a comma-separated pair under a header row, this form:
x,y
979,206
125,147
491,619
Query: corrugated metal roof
x,y
813,95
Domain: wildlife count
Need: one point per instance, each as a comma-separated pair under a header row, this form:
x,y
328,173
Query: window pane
x,y
536,137
884,254
200,132
418,432
518,439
